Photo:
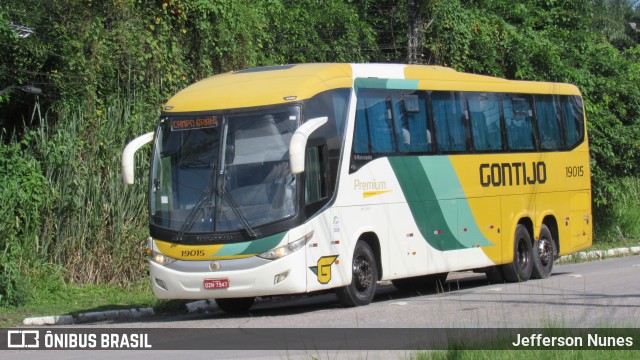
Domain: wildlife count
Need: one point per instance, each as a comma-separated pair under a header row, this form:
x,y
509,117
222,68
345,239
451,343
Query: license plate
x,y
216,284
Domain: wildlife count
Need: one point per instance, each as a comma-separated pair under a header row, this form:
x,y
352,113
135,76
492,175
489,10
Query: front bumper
x,y
247,278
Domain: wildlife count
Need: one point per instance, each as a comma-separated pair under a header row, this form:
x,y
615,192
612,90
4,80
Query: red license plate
x,y
216,284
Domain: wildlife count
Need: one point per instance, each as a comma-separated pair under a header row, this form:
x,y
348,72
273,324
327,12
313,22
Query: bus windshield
x,y
223,172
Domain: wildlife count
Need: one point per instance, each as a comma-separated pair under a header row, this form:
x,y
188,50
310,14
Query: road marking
x,y
399,303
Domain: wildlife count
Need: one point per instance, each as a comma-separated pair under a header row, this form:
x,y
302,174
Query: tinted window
x,y
449,121
548,122
314,187
484,117
518,117
410,120
391,120
572,119
374,124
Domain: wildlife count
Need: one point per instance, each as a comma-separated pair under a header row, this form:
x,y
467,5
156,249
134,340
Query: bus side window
x,y
411,127
449,121
380,127
315,185
518,117
484,113
374,124
401,122
572,120
548,122
361,137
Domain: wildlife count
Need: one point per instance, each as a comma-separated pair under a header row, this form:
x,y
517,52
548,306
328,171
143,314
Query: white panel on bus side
x,y
325,252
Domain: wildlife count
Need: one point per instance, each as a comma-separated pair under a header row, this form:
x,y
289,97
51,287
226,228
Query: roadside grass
x,y
618,223
614,245
73,299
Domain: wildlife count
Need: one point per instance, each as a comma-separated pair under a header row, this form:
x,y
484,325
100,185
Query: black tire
x,y
433,282
544,252
364,280
520,268
236,305
494,275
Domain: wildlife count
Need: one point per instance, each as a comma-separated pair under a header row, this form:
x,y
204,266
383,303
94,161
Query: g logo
x,y
323,270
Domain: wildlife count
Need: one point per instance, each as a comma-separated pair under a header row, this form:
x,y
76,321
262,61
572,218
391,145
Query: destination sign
x,y
196,123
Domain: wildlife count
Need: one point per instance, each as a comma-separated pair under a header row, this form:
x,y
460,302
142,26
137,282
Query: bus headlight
x,y
161,259
285,250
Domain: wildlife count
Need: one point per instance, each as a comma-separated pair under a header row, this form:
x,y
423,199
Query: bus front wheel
x,y
364,278
522,265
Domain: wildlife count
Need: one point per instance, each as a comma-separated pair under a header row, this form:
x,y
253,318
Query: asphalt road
x,y
576,295
586,295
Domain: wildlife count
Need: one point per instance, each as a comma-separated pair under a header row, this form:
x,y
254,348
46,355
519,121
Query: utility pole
x,y
413,15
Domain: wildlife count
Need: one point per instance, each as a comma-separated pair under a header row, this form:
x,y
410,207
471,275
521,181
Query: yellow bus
x,y
302,178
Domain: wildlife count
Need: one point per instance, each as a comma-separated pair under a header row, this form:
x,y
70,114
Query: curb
x,y
88,317
195,307
209,305
599,254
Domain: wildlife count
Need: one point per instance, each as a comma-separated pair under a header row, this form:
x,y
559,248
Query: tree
x,y
415,22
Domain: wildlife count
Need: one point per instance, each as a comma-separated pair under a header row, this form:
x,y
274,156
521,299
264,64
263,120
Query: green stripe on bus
x,y
444,181
437,217
252,247
372,83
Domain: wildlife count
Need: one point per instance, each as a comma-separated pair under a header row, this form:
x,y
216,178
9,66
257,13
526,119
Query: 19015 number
x,y
574,171
189,253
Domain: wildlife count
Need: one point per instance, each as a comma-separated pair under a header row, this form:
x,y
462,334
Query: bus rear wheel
x,y
364,278
522,265
544,253
237,305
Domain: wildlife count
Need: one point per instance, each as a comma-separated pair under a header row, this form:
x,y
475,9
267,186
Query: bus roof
x,y
286,83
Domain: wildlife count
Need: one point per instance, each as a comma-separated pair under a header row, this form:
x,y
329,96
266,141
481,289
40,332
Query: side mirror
x,y
128,160
299,143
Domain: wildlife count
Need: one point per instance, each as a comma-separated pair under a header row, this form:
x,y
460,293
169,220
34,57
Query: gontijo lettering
x,y
513,174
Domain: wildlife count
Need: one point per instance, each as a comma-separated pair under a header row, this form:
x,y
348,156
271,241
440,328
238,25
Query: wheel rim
x,y
362,273
544,251
523,254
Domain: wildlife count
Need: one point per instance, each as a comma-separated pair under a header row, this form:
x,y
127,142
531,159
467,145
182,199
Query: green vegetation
x,y
106,67
58,298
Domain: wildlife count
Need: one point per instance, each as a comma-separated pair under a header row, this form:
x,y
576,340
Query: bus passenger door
x,y
325,251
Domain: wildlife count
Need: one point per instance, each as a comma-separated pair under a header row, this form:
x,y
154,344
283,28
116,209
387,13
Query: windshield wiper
x,y
239,214
225,194
220,192
204,198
